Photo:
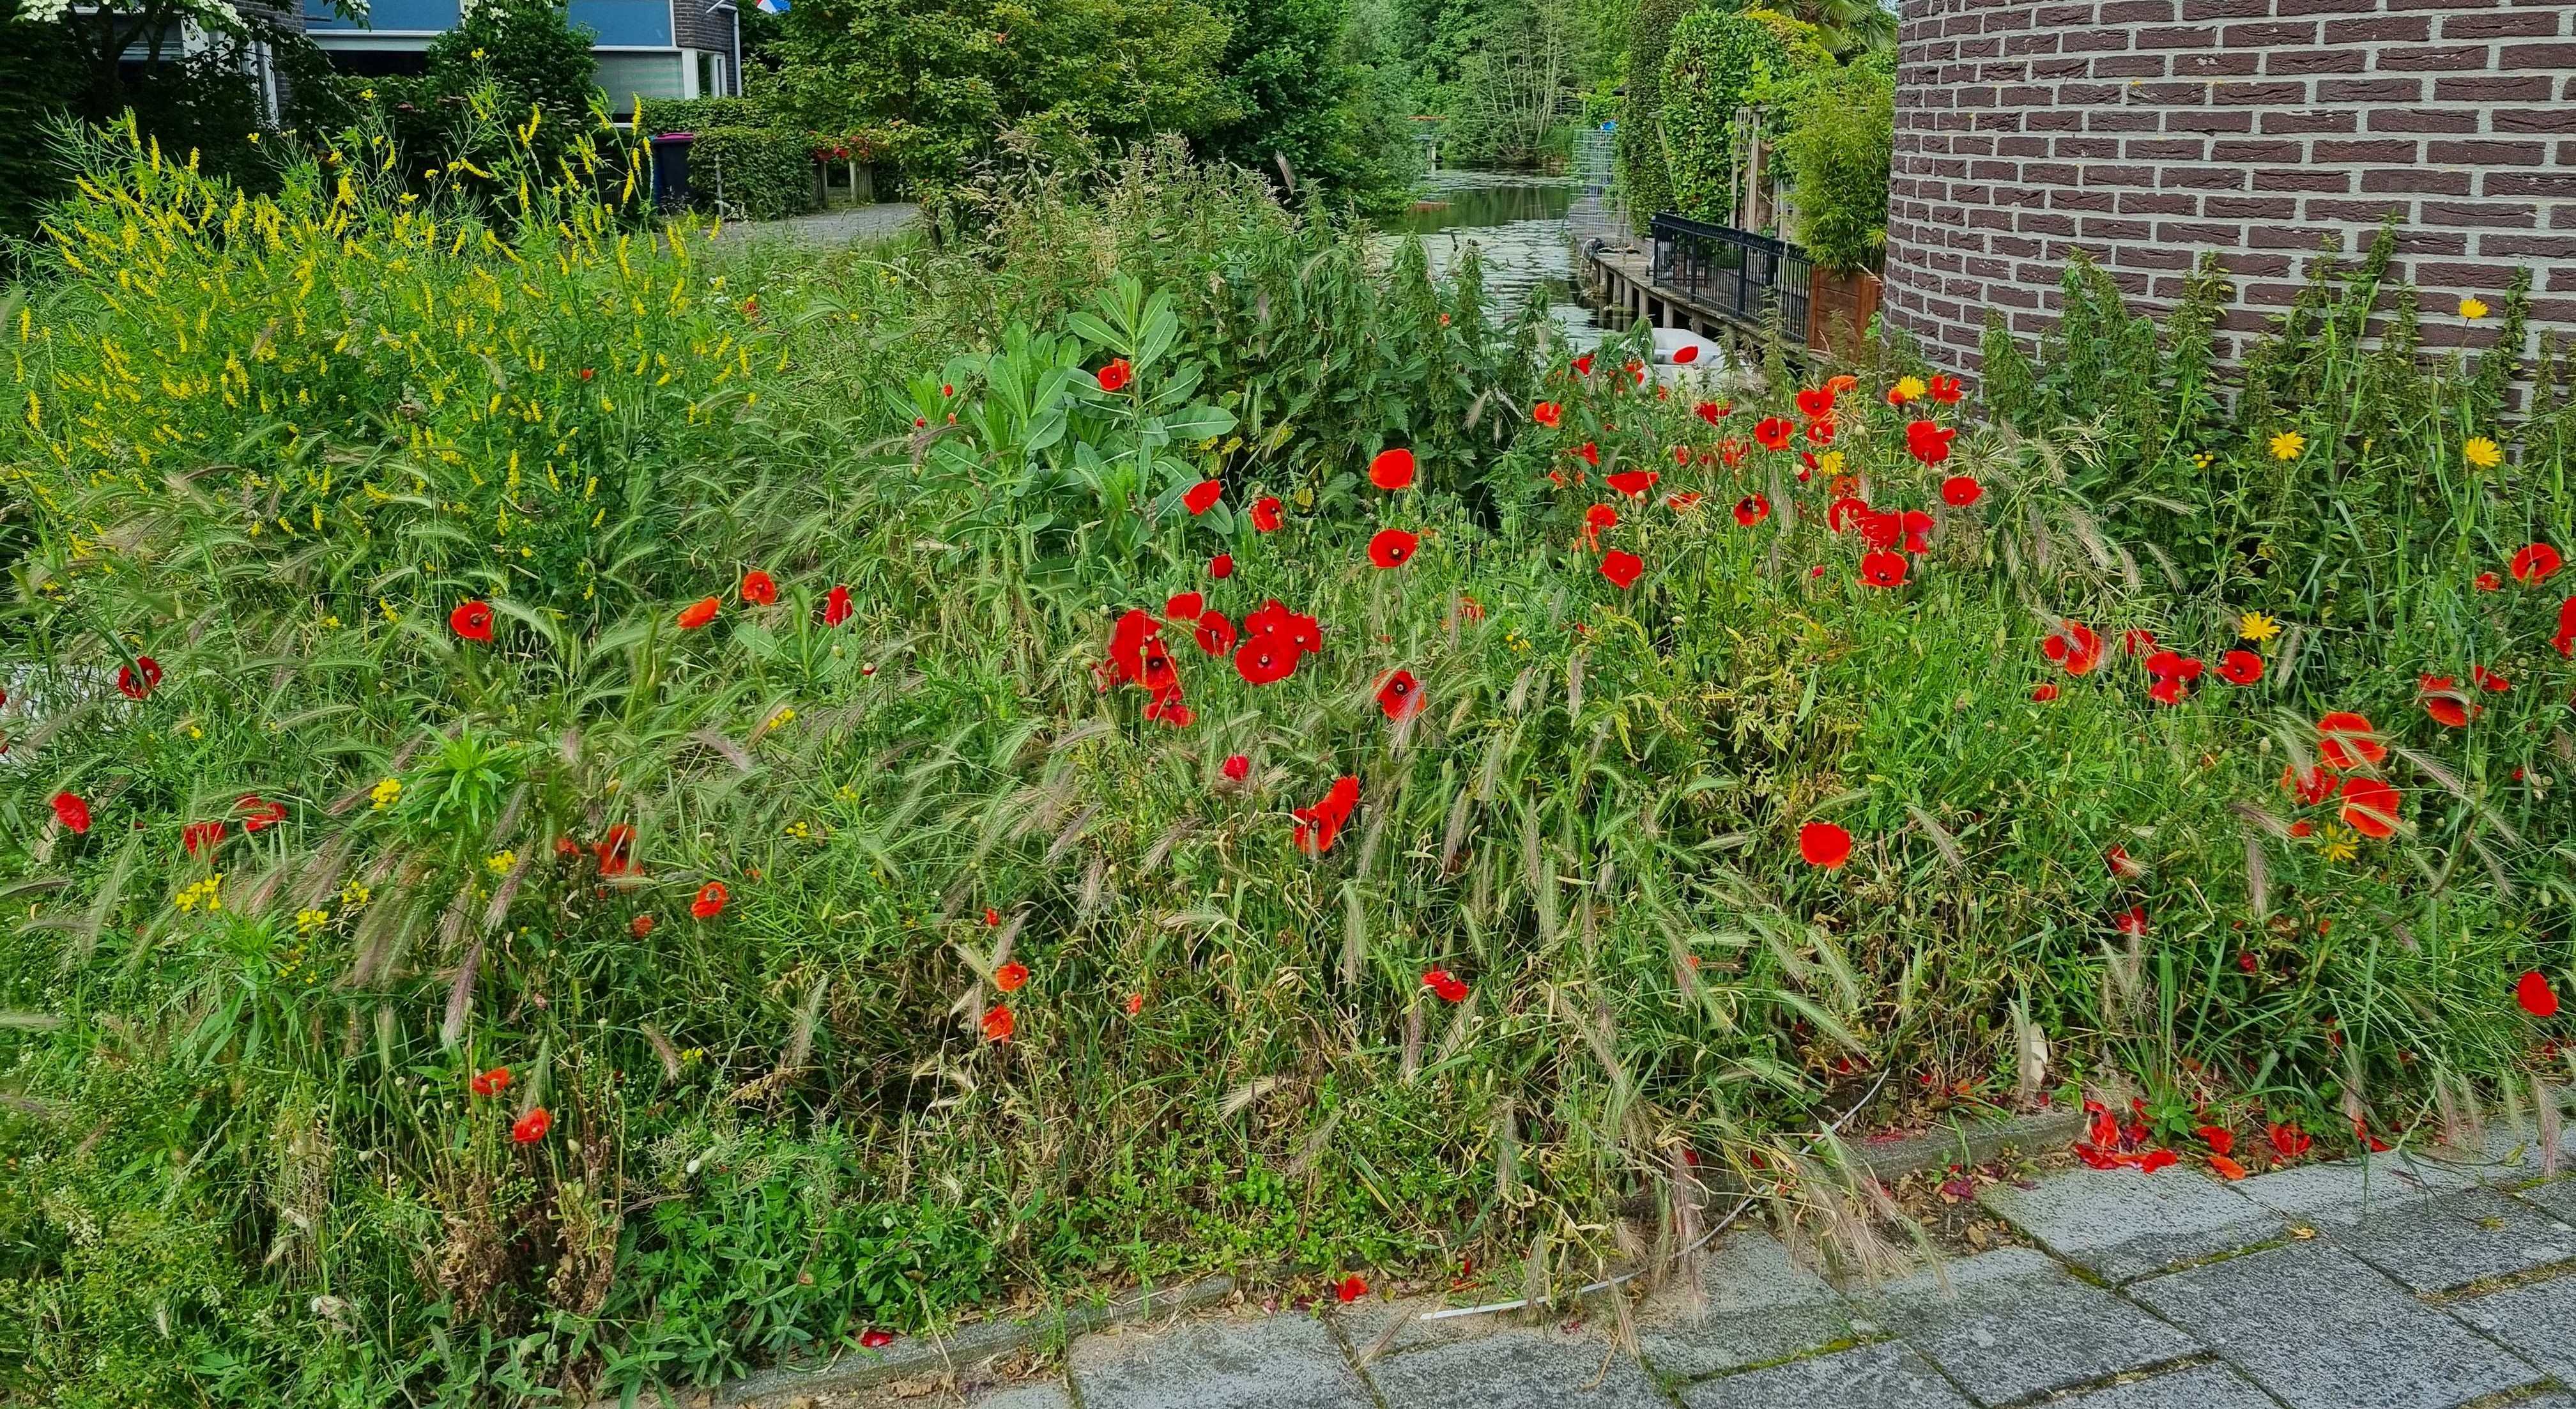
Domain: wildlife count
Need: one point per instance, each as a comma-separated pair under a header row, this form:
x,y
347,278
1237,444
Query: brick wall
x,y
2147,131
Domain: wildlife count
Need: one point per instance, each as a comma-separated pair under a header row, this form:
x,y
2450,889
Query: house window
x,y
627,77
711,75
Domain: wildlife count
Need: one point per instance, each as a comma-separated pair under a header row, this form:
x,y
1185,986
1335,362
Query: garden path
x,y
2395,1282
830,229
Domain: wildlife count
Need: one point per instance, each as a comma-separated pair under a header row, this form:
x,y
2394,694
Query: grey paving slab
x,y
2508,1153
2120,1223
2538,1321
2319,1329
1888,1375
1752,1303
2024,1325
1270,1362
1374,1327
2354,1190
2190,1387
2557,1198
2459,1239
1517,1369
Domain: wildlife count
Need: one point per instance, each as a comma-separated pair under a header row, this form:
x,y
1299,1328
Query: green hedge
x,y
765,171
656,116
1841,133
1720,59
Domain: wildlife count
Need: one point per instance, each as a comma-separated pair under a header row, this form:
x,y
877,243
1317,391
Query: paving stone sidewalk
x,y
2389,1283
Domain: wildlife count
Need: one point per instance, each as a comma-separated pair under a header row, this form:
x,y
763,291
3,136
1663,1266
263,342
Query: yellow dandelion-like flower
x,y
2287,445
1831,462
2203,460
385,793
2473,308
2254,626
2482,452
2338,845
1908,388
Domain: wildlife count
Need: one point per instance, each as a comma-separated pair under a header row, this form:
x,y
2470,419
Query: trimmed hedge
x,y
767,172
656,116
1718,60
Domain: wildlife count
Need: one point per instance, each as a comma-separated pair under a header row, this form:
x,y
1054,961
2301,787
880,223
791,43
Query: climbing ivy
x,y
1719,59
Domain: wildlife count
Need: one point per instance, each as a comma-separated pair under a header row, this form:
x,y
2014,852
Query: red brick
x,y
2267,93
2268,152
2556,186
2501,24
2269,36
2372,90
2560,57
2426,120
2311,120
2293,61
2517,216
2431,58
2379,29
2373,149
2490,90
2178,37
2488,153
2416,180
2224,63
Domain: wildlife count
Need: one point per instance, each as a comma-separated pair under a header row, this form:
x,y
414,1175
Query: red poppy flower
x,y
836,606
1815,402
532,1127
1221,566
1392,469
998,1024
2137,641
874,1339
1622,568
616,852
1236,768
2240,667
759,589
1820,432
2488,680
699,613
1633,483
1392,547
1135,1004
2122,864
2173,665
2346,740
1917,526
710,902
1265,514
1772,433
1202,496
1752,509
587,374
1400,696
1709,411
2044,693
2534,994
1265,660
2074,646
1882,568
1350,1289
2444,701
1547,413
1299,631
1127,642
2370,806
1450,987
201,836
259,814
72,811
2489,582
2565,641
1960,491
1596,518
1731,452
640,926
1011,976
2132,921
1929,441
472,621
139,680
1115,375
1215,633
2288,1140
2533,565
1318,826
2314,788
490,1083
2300,829
1824,845
2219,1138
1682,501
1183,606
1944,389
1590,452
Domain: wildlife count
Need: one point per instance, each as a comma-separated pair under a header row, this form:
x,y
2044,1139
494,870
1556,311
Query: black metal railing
x,y
1735,272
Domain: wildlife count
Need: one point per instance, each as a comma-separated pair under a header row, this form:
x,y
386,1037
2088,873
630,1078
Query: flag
x,y
772,7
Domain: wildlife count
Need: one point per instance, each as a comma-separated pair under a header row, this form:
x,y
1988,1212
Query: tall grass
x,y
273,444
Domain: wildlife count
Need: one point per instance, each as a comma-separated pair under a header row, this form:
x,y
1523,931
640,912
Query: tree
x,y
1639,148
1298,91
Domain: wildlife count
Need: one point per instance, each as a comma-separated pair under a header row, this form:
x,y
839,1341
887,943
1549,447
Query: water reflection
x,y
1517,224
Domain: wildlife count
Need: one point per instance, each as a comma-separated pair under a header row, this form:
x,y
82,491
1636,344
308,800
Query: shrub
x,y
765,172
1839,134
1718,59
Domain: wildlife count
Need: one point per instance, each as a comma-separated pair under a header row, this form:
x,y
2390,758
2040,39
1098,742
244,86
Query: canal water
x,y
1517,223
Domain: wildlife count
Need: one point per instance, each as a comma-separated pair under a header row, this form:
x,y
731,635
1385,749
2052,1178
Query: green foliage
x,y
1840,129
1718,61
661,115
764,172
253,1168
1645,177
527,49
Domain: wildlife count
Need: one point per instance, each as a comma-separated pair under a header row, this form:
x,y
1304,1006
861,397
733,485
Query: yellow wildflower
x,y
501,861
2473,308
1831,462
2203,460
2287,445
2254,626
307,921
1908,388
385,793
2338,845
354,895
2482,452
